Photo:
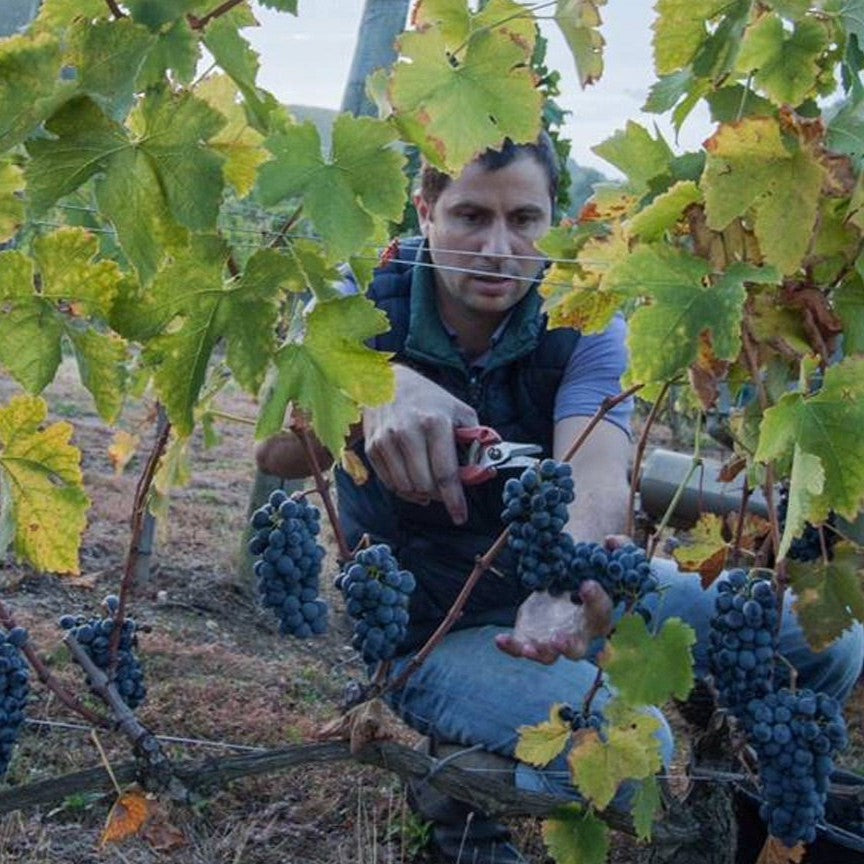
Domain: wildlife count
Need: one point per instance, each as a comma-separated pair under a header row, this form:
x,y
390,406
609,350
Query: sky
x,y
305,61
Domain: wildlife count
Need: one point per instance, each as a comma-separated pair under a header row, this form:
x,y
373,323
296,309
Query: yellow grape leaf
x,y
578,21
631,750
775,852
704,550
11,205
127,816
539,745
121,450
174,471
43,506
354,467
237,141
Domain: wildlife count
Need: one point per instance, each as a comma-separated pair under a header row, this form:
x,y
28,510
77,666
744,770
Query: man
x,y
471,346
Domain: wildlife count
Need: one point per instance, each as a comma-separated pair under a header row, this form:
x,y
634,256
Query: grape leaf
x,y
41,486
679,30
156,13
347,198
29,67
704,549
648,669
665,211
635,153
749,166
72,287
845,133
849,306
829,597
539,745
574,835
665,334
851,13
56,15
332,373
646,807
826,424
785,65
631,751
176,49
108,57
456,106
579,21
281,5
805,483
451,17
237,141
11,206
189,309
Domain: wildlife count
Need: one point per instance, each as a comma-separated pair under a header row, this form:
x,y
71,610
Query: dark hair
x,y
433,182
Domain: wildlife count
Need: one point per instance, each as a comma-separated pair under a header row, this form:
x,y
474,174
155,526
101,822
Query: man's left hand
x,y
550,627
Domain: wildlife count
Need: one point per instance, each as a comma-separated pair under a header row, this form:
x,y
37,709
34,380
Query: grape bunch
x,y
623,573
377,593
535,510
14,687
579,720
796,736
94,636
808,547
743,639
289,563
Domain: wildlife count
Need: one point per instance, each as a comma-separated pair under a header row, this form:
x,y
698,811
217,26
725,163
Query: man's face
x,y
481,233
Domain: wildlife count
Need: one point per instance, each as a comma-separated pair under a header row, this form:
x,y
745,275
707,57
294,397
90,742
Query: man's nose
x,y
496,239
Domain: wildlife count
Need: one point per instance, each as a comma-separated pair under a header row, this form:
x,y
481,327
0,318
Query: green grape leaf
x,y
29,68
665,93
454,107
41,483
829,596
784,65
56,15
849,306
631,750
579,21
101,359
174,472
156,13
347,197
539,745
805,483
679,31
666,334
240,144
825,423
183,316
108,57
635,153
574,835
648,669
332,373
250,313
281,5
845,133
749,166
176,49
665,211
647,806
851,13
311,272
11,205
731,104
451,17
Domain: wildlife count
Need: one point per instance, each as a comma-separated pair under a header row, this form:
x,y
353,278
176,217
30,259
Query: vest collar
x,y
429,340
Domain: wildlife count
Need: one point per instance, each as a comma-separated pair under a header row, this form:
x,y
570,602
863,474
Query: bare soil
x,y
220,678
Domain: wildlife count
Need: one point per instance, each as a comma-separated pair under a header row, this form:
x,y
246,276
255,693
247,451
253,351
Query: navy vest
x,y
514,393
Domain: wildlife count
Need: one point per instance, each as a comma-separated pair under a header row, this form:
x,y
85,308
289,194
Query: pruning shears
x,y
482,453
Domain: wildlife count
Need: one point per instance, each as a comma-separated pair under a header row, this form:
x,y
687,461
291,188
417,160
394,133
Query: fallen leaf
x,y
368,721
161,833
127,817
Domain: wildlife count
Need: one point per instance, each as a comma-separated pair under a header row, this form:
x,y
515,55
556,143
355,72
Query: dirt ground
x,y
220,678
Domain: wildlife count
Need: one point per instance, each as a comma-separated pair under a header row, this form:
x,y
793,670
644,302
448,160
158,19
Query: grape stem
x,y
218,12
116,11
45,676
606,406
139,510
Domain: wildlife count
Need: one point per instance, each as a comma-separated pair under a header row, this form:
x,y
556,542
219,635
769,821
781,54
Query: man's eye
x,y
523,220
469,217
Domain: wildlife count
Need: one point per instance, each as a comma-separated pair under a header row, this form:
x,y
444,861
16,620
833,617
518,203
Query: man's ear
x,y
424,213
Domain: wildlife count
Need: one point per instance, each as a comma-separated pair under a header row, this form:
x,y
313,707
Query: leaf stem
x,y
116,11
218,12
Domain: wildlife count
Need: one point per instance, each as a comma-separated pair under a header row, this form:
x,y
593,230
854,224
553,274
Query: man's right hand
x,y
411,445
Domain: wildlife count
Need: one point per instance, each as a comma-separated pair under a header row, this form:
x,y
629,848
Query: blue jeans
x,y
468,692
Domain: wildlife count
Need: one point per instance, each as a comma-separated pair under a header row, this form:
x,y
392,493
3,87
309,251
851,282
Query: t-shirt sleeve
x,y
594,372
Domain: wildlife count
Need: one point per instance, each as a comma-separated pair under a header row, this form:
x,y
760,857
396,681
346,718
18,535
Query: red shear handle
x,y
476,438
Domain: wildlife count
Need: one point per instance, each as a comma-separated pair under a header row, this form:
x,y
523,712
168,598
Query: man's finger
x,y
444,463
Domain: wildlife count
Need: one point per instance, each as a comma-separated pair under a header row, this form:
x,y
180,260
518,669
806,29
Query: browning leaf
x,y
732,468
121,450
127,816
705,550
774,852
368,721
161,833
